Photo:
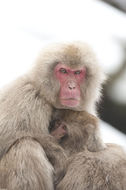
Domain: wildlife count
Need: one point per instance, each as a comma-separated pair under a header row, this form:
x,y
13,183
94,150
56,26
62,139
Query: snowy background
x,y
28,25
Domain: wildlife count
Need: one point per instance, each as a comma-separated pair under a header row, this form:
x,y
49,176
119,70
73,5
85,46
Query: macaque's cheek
x,y
70,98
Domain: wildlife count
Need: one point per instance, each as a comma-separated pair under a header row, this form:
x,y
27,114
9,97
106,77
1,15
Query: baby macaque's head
x,y
79,129
72,122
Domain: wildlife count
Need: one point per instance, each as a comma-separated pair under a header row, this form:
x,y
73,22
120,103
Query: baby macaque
x,y
76,131
98,165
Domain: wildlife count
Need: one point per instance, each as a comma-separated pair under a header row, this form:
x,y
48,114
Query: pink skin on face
x,y
59,132
70,81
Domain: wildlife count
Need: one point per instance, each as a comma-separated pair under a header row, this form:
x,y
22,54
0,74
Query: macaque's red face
x,y
70,81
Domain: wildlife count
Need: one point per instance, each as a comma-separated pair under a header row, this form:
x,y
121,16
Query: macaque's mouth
x,y
77,99
70,102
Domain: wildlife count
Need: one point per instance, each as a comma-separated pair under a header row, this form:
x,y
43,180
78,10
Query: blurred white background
x,y
28,25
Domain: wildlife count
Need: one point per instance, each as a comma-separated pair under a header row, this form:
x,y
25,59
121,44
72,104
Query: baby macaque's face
x,y
58,129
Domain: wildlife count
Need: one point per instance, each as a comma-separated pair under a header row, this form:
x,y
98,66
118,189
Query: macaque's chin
x,y
70,102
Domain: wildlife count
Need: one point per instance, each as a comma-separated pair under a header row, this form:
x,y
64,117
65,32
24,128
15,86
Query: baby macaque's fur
x,y
77,131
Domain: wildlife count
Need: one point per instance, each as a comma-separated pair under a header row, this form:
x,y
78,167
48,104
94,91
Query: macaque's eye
x,y
62,70
77,72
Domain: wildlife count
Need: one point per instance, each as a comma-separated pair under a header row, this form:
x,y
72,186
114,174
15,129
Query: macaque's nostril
x,y
73,87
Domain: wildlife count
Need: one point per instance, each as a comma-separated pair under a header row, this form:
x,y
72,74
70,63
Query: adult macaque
x,y
65,76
